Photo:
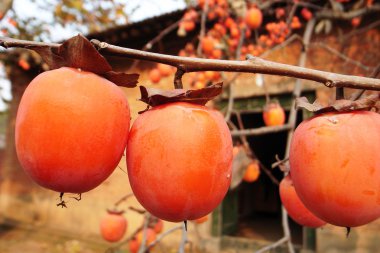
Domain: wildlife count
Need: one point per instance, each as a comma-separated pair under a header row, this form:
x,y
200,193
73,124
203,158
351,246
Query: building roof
x,y
136,34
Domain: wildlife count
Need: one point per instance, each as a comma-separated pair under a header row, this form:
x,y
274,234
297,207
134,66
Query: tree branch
x,y
331,14
254,65
5,6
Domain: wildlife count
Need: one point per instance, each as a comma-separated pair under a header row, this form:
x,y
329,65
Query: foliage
x,y
83,16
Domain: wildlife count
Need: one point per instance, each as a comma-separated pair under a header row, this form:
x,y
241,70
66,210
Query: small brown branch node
x,y
79,198
62,203
178,78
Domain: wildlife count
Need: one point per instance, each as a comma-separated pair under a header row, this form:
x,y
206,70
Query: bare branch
x,y
202,33
259,131
331,14
340,55
273,245
255,65
162,236
230,102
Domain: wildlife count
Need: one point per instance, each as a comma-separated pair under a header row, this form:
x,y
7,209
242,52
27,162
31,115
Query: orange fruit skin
x,y
295,208
71,129
113,227
150,236
133,246
135,243
159,226
335,167
208,44
179,160
201,219
252,173
274,115
165,70
253,18
155,75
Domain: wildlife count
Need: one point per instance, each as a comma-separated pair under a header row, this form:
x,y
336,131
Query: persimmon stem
x,y
339,93
178,79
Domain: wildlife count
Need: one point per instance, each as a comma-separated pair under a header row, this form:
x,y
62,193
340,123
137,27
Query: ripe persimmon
x,y
274,114
159,226
252,172
135,243
71,129
179,160
201,219
155,75
253,18
113,226
294,206
355,22
165,70
306,14
334,161
208,44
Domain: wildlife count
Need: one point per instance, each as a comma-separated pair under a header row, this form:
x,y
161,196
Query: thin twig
x,y
260,130
121,200
340,55
162,236
333,14
273,245
360,93
361,30
230,104
144,234
183,239
251,153
202,32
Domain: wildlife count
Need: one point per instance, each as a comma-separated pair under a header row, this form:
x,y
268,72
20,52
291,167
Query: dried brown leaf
x,y
155,97
122,79
342,105
78,52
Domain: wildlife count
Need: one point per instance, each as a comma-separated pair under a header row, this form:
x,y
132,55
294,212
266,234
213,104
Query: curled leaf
x,y
122,79
78,52
155,97
342,105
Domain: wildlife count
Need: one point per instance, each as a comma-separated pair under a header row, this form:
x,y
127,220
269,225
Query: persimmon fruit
x,y
135,243
252,172
273,114
208,44
253,18
334,161
71,129
113,226
201,219
179,160
306,14
159,226
155,75
294,206
165,70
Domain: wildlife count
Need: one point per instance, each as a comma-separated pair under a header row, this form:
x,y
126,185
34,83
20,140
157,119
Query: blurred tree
x,y
46,17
